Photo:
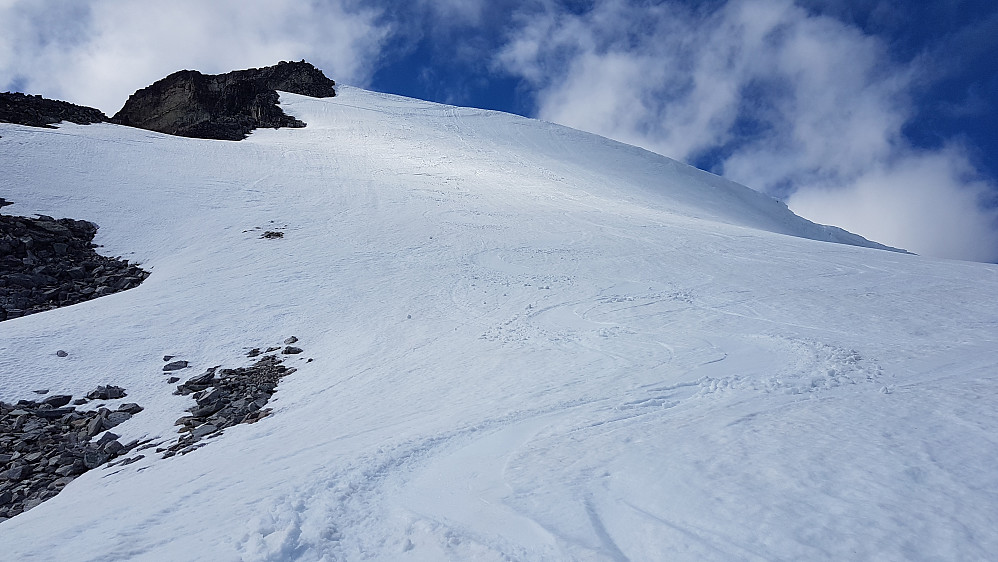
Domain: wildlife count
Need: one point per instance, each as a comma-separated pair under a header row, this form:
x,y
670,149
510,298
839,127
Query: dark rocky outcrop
x,y
222,106
37,111
224,398
45,445
47,263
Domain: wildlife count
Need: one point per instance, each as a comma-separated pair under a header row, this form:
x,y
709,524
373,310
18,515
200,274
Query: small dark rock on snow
x,y
109,392
58,400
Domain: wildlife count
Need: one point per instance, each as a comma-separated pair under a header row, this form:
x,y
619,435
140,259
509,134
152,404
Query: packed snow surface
x,y
528,343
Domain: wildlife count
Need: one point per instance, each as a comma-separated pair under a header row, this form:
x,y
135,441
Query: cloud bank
x,y
790,102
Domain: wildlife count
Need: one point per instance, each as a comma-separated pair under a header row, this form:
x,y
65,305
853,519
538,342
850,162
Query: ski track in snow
x,y
529,343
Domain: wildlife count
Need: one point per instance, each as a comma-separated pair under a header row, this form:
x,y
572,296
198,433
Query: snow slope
x,y
529,343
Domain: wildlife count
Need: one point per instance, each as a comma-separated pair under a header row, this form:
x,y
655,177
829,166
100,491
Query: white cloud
x,y
926,201
779,99
97,53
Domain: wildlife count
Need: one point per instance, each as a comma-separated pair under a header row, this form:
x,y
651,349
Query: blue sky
x,y
875,115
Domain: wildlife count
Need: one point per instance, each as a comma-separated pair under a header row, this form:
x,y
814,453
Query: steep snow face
x,y
527,342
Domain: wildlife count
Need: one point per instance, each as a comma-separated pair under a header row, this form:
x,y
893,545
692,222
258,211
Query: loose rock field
x,y
47,263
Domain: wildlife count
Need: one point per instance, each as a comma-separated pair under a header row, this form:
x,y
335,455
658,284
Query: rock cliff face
x,y
222,106
37,111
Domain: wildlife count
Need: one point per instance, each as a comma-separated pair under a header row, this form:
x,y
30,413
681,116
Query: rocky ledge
x,y
228,397
45,445
47,263
37,111
222,106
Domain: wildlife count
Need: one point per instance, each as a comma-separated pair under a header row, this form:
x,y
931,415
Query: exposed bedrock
x,y
37,111
222,106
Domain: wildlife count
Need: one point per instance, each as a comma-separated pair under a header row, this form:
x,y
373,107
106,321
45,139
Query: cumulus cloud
x,y
98,52
932,201
802,106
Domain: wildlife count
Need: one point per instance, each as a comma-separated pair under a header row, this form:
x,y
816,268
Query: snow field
x,y
529,343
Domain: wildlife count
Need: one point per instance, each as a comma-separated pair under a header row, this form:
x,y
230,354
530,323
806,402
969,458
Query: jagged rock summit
x,y
36,111
222,106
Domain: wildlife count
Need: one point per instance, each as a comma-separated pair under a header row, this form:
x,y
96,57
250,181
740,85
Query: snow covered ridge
x,y
529,343
188,103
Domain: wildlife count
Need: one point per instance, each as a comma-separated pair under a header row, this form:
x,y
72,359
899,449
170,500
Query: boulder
x,y
116,418
53,413
94,426
106,438
132,408
17,472
106,393
58,400
207,409
204,430
197,383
